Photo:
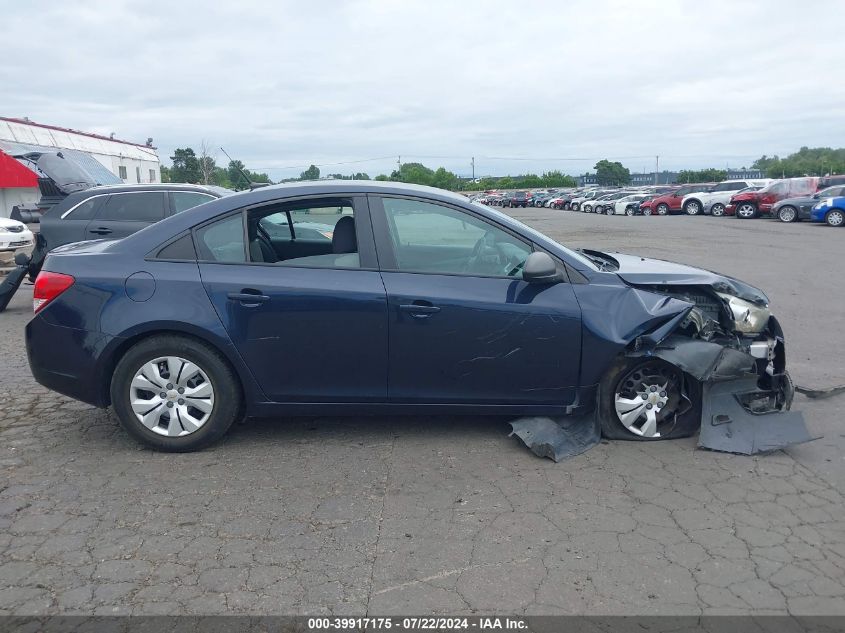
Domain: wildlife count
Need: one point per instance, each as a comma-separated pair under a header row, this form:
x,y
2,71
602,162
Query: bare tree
x,y
207,161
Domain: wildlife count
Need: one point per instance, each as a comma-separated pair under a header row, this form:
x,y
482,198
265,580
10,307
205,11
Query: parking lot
x,y
442,515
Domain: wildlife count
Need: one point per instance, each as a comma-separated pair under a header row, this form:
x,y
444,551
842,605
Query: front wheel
x,y
746,211
175,394
787,214
648,400
629,211
835,217
662,209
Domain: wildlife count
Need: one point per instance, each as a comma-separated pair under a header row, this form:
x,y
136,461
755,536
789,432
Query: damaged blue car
x,y
407,300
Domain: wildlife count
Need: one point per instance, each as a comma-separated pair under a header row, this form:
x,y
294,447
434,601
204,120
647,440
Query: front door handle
x,y
100,230
249,299
419,310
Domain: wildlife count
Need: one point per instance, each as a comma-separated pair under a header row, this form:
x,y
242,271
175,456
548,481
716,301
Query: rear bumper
x,y
67,359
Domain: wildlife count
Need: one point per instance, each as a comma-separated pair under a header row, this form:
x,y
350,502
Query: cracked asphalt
x,y
441,515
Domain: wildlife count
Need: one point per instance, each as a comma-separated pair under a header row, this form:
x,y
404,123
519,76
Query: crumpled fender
x,y
634,312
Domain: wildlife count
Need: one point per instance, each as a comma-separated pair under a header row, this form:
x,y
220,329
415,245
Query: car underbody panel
x,y
730,424
558,438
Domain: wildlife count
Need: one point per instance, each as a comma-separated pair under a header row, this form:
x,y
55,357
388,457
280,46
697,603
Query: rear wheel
x,y
629,211
718,209
835,217
175,394
648,400
787,214
746,210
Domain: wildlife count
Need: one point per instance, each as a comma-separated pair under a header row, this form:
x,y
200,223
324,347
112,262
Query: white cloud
x,y
290,83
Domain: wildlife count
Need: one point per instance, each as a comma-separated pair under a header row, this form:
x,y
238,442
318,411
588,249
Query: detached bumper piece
x,y
734,419
558,438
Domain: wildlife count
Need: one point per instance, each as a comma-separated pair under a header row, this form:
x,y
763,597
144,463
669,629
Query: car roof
x,y
153,186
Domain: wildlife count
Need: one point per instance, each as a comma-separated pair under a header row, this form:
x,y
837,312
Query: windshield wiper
x,y
604,262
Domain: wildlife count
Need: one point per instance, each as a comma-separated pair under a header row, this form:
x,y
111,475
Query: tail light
x,y
48,286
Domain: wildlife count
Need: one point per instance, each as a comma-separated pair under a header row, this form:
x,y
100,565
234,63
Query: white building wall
x,y
15,196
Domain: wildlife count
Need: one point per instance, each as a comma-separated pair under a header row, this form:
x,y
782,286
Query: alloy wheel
x,y
662,209
787,214
171,396
693,207
746,210
835,218
718,210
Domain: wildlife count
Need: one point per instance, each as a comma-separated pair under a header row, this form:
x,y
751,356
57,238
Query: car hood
x,y
642,271
6,223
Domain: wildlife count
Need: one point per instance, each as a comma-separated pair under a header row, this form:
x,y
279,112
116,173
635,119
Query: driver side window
x,y
430,238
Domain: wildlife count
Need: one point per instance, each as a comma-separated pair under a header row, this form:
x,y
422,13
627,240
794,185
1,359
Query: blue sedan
x,y
830,210
360,297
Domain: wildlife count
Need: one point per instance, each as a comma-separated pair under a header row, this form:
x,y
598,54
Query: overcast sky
x,y
520,85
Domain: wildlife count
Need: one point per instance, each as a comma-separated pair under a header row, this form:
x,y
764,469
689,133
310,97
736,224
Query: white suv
x,y
717,196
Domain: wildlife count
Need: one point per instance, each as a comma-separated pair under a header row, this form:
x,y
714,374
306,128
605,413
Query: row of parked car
x,y
818,199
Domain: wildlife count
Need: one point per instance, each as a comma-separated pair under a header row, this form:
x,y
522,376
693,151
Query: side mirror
x,y
22,259
540,268
815,196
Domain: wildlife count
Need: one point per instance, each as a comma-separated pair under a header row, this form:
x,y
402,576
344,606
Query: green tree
x,y
807,161
701,175
312,173
186,166
236,178
612,173
165,174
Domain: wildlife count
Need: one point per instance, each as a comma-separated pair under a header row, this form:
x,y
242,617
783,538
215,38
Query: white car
x,y
697,202
625,206
14,235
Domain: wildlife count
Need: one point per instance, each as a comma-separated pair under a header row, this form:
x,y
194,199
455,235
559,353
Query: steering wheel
x,y
488,257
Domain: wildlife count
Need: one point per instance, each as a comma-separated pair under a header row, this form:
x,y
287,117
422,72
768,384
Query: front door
x,y
313,328
464,327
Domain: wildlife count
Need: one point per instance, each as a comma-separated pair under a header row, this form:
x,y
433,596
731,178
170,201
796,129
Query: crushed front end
x,y
729,341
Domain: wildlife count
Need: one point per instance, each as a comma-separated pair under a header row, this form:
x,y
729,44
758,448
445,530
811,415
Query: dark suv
x,y
516,199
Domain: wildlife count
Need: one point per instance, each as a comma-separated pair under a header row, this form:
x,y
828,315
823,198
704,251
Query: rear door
x,y
312,329
66,225
125,213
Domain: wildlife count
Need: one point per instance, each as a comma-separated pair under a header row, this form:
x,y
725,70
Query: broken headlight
x,y
748,318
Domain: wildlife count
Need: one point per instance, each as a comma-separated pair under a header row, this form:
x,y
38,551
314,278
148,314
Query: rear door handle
x,y
419,310
100,230
248,298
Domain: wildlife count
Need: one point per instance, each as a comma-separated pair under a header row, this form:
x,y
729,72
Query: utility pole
x,y
399,162
473,168
656,168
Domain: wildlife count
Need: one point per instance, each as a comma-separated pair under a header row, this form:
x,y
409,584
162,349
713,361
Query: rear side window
x,y
181,249
84,211
146,206
183,200
222,241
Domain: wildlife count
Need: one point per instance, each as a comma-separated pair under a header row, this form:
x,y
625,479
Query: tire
x,y
681,416
692,207
609,211
788,213
718,210
662,209
226,401
566,206
746,210
629,211
835,217
647,211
